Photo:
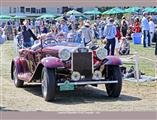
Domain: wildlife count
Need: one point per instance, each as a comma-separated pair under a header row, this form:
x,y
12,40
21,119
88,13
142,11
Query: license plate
x,y
66,86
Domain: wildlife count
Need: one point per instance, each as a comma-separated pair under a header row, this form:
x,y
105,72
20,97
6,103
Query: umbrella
x,y
149,9
59,18
114,11
74,12
46,16
5,17
132,9
20,17
81,17
92,12
155,9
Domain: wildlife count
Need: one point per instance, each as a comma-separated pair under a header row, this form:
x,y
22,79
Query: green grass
x,y
146,66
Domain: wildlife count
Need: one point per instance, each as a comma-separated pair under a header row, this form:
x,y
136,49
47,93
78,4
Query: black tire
x,y
114,89
48,84
18,83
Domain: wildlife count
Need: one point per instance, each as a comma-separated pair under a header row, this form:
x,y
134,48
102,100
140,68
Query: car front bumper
x,y
89,82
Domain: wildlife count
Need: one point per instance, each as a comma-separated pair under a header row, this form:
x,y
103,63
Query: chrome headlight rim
x,y
64,54
97,75
75,76
101,53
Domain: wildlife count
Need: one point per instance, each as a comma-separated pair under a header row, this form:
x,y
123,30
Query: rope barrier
x,y
147,59
136,63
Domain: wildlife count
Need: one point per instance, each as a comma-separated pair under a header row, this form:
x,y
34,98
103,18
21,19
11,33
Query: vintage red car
x,y
65,66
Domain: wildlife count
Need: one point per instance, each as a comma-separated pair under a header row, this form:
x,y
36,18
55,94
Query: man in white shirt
x,y
145,30
37,27
152,28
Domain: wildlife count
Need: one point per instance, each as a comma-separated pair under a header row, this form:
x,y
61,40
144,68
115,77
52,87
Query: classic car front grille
x,y
83,63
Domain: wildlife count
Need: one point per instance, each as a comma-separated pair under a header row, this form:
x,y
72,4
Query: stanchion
x,y
136,57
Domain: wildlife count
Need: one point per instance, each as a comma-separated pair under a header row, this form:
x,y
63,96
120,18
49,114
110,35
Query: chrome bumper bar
x,y
89,82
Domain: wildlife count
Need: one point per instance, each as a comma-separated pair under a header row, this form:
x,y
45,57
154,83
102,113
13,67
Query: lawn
x,y
146,58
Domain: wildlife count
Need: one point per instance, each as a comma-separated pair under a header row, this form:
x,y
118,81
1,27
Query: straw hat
x,y
25,22
87,24
145,13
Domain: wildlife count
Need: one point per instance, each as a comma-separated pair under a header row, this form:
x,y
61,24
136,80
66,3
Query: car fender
x,y
113,60
52,62
48,62
21,65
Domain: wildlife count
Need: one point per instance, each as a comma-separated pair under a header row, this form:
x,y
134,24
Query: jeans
x,y
146,38
111,42
124,32
27,44
38,30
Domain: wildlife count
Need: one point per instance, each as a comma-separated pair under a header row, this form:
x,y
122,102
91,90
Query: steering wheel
x,y
50,41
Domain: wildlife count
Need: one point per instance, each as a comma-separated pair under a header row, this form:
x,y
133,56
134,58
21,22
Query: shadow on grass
x,y
82,95
5,109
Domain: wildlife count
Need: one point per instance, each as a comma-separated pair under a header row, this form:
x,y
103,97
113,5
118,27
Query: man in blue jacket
x,y
110,34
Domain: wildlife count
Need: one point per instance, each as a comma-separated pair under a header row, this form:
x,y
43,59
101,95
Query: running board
x,y
89,83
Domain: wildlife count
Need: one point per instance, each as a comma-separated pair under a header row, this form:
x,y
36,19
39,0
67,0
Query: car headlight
x,y
64,54
97,75
75,76
101,53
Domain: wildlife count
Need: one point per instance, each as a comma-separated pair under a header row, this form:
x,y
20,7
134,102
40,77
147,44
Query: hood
x,y
65,45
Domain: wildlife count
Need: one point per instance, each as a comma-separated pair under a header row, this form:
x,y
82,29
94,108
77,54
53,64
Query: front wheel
x,y
114,89
17,82
48,84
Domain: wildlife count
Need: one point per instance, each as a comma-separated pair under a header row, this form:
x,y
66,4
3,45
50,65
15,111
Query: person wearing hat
x,y
80,23
145,30
86,33
63,26
110,34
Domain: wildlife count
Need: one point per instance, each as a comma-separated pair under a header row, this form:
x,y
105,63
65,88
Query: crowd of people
x,y
114,33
